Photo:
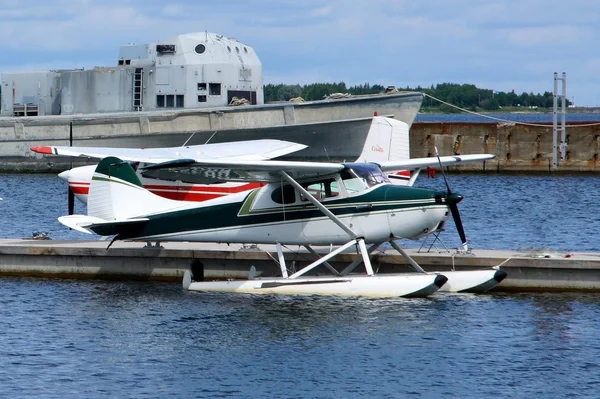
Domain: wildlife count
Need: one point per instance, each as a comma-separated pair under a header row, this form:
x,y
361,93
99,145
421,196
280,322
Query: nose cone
x,y
440,280
500,275
64,175
454,198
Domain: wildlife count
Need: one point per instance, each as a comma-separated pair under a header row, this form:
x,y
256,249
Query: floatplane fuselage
x,y
361,197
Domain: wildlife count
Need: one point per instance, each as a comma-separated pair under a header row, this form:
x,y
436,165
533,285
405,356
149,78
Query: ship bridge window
x,y
201,48
165,48
170,101
201,86
248,95
214,89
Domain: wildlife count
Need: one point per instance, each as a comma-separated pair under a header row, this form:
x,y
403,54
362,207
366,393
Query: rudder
x,y
387,140
116,193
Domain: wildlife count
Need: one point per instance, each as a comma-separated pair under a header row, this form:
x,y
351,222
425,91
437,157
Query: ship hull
x,y
333,130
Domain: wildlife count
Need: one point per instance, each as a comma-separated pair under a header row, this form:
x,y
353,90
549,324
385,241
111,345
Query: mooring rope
x,y
499,119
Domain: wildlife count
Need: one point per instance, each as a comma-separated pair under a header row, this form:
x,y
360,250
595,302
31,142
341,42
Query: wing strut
x,y
326,264
321,207
356,240
410,260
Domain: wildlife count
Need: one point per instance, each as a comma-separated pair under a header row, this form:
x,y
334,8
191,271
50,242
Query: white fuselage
x,y
409,223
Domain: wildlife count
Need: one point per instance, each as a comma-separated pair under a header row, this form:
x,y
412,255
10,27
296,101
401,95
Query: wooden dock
x,y
527,271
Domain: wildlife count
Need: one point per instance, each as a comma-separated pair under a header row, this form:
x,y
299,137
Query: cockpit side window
x,y
284,195
353,182
371,173
321,190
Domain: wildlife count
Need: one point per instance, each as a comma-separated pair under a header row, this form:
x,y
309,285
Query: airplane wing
x,y
213,171
251,150
418,163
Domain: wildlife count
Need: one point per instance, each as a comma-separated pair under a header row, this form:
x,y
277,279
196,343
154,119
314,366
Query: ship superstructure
x,y
188,71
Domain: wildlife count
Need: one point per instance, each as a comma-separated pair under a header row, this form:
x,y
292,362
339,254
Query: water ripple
x,y
72,339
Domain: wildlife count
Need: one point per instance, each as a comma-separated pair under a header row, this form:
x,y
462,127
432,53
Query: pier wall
x,y
518,148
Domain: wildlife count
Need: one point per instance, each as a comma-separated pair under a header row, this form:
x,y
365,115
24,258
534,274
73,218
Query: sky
x,y
500,45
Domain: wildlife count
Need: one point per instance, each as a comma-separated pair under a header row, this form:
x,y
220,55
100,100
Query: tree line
x,y
467,96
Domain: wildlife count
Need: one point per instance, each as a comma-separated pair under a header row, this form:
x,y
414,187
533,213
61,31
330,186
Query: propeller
x,y
70,194
71,200
452,200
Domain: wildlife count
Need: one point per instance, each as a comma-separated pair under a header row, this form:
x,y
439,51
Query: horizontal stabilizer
x,y
89,224
79,222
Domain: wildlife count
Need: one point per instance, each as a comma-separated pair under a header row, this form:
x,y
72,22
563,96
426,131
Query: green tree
x,y
465,96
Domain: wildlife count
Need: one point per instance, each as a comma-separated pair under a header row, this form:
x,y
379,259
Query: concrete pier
x,y
133,261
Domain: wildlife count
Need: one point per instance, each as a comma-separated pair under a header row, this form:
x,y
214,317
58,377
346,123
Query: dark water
x,y
514,117
86,339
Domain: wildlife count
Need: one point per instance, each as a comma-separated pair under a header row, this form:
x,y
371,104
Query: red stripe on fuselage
x,y
181,193
403,173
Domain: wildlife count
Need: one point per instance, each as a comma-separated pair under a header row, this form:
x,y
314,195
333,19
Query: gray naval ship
x,y
185,90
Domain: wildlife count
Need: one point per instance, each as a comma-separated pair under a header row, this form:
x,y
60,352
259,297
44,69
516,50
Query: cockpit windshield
x,y
361,176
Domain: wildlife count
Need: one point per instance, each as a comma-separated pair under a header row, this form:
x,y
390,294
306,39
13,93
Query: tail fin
x,y
387,140
116,193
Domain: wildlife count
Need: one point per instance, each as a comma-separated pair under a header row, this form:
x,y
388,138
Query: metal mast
x,y
562,147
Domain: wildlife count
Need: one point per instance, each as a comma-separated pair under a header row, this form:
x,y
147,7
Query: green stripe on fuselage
x,y
240,214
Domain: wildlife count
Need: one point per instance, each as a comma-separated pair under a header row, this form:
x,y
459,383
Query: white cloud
x,y
509,44
549,36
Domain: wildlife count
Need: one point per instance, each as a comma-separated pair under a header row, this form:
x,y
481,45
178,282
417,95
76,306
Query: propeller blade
x,y
459,225
437,154
452,200
71,201
71,195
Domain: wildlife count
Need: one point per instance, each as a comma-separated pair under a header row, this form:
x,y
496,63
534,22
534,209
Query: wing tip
x,y
42,149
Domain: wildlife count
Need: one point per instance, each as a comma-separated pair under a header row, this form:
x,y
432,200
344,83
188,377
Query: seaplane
x,y
387,140
310,204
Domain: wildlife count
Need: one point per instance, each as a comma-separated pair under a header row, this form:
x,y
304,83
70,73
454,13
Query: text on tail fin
x,y
387,140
